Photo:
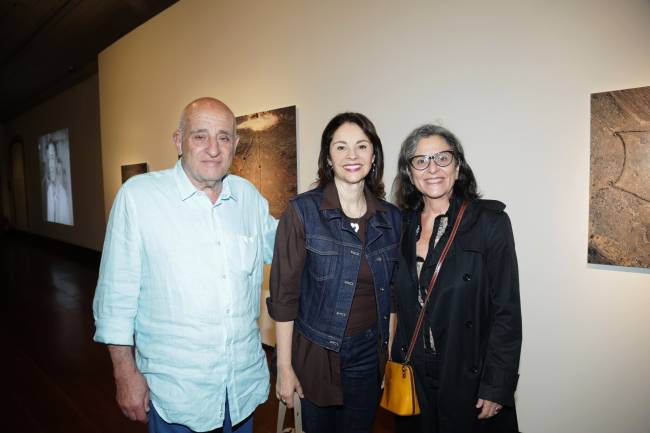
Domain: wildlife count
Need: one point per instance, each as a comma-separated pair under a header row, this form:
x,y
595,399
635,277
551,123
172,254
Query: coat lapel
x,y
409,227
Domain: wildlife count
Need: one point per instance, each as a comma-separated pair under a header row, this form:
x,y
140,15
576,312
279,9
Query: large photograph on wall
x,y
619,205
56,191
266,155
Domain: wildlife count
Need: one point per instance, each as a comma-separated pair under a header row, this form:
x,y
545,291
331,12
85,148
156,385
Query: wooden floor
x,y
56,379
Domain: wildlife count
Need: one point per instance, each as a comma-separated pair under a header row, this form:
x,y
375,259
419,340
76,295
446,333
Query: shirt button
x,y
381,289
385,317
228,311
219,243
223,276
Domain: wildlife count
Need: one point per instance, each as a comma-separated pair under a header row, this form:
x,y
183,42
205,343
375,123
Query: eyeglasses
x,y
441,159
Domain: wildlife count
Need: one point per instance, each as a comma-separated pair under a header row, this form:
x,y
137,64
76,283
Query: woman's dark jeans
x,y
361,389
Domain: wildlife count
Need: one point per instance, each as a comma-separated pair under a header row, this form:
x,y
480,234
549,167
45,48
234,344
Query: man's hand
x,y
488,408
132,393
286,384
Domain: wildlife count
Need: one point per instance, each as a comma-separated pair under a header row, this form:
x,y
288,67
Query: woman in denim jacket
x,y
335,250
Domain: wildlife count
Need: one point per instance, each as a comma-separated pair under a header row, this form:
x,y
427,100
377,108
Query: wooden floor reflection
x,y
56,378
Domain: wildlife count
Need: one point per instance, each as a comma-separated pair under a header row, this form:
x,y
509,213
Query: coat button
x,y
475,370
468,324
404,349
385,342
467,277
385,317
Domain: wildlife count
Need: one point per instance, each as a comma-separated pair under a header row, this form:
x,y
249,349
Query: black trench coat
x,y
475,318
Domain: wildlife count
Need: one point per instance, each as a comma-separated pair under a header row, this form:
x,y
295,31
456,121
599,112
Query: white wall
x,y
511,78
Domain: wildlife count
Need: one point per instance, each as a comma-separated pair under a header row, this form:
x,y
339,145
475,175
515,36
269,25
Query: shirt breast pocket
x,y
247,253
322,256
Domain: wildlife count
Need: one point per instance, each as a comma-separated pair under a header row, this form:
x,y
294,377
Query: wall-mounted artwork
x,y
130,170
619,205
266,155
56,190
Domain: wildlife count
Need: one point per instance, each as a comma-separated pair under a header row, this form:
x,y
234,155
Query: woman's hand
x,y
488,408
286,384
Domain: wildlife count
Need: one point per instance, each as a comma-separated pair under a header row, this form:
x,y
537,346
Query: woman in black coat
x,y
466,357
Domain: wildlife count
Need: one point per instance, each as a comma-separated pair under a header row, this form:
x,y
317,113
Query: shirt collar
x,y
186,188
331,200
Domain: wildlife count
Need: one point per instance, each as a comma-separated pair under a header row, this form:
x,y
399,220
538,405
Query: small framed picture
x,y
128,171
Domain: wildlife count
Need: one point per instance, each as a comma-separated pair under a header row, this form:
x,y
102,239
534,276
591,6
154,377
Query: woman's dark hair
x,y
373,180
406,196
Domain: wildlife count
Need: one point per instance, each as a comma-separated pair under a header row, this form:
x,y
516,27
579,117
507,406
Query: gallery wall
x,y
76,109
512,79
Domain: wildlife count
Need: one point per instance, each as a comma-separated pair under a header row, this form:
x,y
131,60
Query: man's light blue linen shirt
x,y
180,279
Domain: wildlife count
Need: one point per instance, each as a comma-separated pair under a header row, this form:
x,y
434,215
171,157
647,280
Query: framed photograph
x,y
266,155
130,170
619,202
56,188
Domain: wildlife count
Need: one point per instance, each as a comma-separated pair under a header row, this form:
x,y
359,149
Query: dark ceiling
x,y
46,46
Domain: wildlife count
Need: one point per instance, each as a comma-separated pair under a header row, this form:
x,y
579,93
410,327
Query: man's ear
x,y
178,141
234,148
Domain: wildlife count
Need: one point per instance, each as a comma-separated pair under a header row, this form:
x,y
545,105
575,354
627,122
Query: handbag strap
x,y
297,415
443,255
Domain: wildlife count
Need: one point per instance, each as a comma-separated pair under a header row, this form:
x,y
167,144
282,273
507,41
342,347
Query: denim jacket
x,y
333,258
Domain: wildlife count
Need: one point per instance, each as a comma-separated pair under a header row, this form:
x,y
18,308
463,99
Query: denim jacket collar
x,y
331,202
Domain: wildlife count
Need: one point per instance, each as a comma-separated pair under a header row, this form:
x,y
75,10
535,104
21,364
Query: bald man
x,y
177,298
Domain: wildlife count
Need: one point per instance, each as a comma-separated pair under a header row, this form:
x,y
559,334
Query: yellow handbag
x,y
399,396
